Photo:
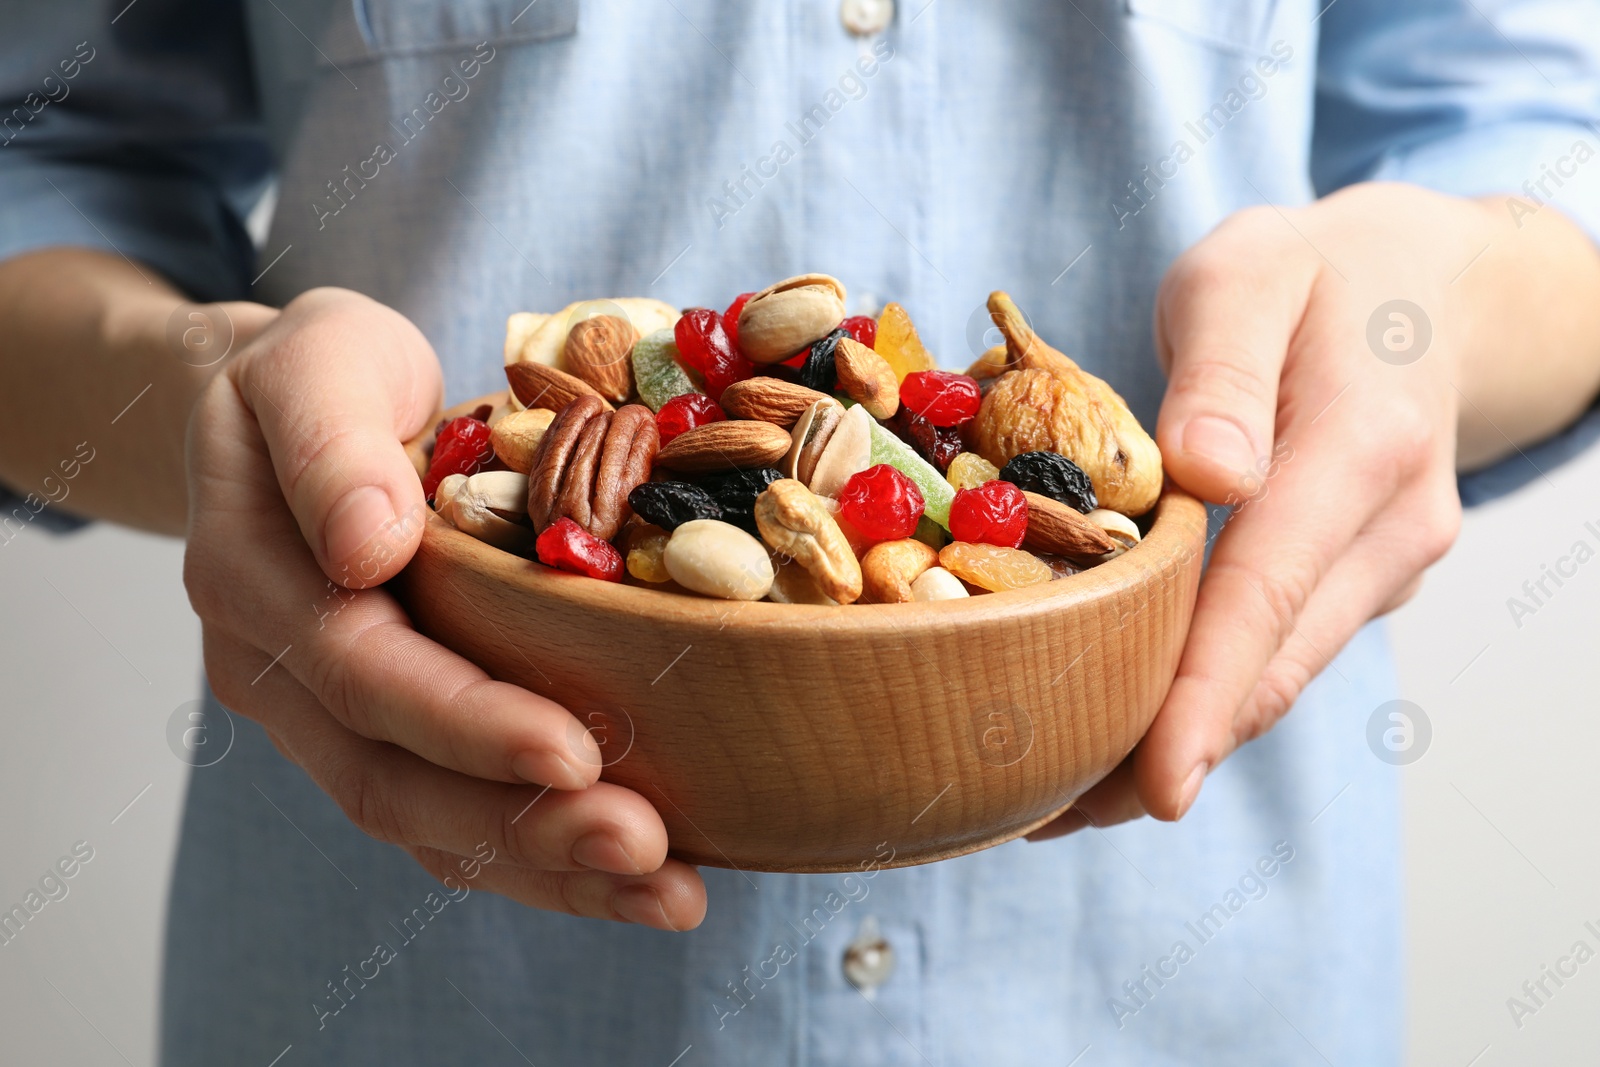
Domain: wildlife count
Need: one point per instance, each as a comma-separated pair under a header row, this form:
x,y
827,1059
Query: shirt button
x,y
869,959
866,17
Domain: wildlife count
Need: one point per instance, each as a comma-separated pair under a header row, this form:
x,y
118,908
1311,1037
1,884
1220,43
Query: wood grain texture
x,y
781,737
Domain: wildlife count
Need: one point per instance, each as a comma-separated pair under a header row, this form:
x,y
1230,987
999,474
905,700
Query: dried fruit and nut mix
x,y
779,450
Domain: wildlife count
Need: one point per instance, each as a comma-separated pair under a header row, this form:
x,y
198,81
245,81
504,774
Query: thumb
x,y
337,383
1223,330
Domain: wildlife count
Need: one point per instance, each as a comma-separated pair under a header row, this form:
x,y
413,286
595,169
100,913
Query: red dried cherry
x,y
863,328
995,513
685,412
569,547
730,318
462,447
943,398
882,503
705,346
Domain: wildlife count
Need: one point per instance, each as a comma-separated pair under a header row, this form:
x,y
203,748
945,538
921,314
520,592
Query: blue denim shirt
x,y
464,160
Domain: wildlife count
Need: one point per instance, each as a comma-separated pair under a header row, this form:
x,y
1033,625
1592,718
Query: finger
x,y
398,797
672,898
1266,563
1113,799
341,383
355,649
1382,567
1225,315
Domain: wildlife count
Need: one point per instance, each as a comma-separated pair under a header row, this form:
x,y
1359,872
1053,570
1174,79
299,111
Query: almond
x,y
1054,527
538,386
769,400
867,378
722,446
597,351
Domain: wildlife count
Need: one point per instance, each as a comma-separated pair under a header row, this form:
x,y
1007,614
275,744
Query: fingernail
x,y
1191,789
601,851
1220,441
641,904
358,517
547,768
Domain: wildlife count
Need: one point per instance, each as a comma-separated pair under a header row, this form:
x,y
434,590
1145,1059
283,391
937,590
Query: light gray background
x,y
98,647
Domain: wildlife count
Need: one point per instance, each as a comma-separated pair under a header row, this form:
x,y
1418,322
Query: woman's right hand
x,y
302,501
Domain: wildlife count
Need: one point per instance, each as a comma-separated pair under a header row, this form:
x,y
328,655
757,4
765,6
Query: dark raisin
x,y
818,372
735,493
1053,475
671,504
936,444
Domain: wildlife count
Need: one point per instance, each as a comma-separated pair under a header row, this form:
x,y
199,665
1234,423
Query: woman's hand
x,y
1328,418
302,501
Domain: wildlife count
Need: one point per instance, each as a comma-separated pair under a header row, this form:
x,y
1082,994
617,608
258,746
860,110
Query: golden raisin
x,y
992,567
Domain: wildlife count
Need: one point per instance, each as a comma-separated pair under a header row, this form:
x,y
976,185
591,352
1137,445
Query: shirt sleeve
x,y
1473,100
136,134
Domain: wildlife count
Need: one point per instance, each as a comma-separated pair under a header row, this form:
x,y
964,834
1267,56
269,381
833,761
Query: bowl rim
x,y
1177,531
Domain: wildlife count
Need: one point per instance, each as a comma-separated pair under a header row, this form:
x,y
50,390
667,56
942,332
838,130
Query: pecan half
x,y
588,462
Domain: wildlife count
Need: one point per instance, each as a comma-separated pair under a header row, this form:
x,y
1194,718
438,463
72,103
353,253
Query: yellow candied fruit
x,y
899,344
646,546
992,567
970,470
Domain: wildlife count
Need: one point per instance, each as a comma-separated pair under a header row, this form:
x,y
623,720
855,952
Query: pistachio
x,y
480,504
936,583
847,452
796,523
785,317
1121,529
867,378
445,494
889,568
810,435
718,559
516,436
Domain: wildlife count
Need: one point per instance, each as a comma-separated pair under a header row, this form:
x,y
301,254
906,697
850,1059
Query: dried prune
x,y
1053,475
818,370
735,493
671,504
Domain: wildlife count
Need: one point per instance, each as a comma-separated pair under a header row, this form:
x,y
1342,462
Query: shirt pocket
x,y
376,29
1232,25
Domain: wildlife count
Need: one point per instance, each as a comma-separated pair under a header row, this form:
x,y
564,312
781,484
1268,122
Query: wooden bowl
x,y
781,737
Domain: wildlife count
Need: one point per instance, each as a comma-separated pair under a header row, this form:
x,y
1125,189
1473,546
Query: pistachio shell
x,y
849,451
784,318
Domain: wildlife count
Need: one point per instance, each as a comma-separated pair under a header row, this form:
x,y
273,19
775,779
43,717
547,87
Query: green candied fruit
x,y
936,492
931,533
656,372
